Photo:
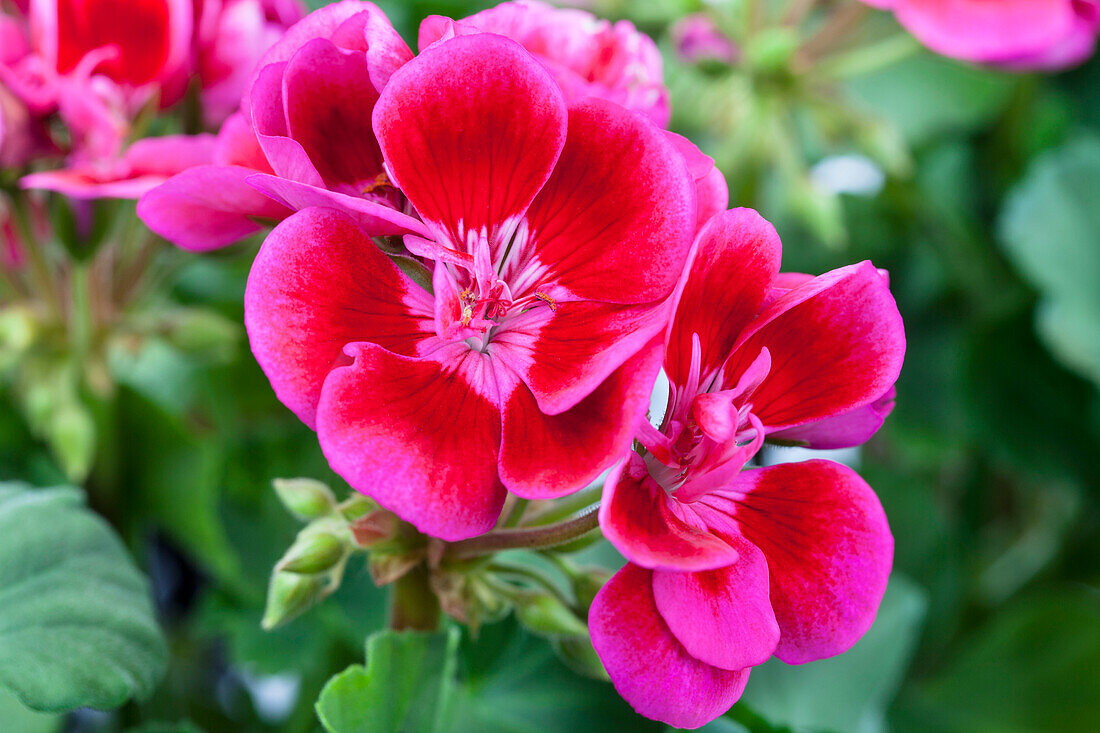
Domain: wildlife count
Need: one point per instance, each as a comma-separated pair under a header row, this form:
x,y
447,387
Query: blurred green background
x,y
978,190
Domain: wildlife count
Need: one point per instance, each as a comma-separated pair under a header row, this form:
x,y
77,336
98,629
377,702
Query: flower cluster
x,y
483,254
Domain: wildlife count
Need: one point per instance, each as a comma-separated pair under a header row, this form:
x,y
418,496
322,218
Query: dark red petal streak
x,y
615,221
471,129
829,551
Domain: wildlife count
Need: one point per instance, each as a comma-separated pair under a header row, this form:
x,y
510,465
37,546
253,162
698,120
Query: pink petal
x,y
329,98
170,154
419,437
318,284
575,446
615,221
372,217
712,194
238,145
842,431
564,353
737,258
977,30
648,665
652,529
287,157
723,616
470,130
207,207
829,551
836,343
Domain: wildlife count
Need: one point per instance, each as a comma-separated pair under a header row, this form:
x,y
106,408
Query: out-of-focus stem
x,y
868,59
413,605
564,507
36,256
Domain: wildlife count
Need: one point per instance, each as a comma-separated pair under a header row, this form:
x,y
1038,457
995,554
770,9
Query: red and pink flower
x,y
588,56
730,566
553,236
1016,34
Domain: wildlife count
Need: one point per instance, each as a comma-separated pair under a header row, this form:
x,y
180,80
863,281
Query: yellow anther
x,y
548,300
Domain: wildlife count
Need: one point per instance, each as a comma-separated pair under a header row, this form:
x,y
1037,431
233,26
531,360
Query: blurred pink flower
x,y
696,38
730,566
586,55
1014,34
230,38
554,236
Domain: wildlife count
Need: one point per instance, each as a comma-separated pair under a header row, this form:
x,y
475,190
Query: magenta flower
x,y
554,238
209,206
1015,34
230,38
588,57
310,104
137,43
696,38
728,567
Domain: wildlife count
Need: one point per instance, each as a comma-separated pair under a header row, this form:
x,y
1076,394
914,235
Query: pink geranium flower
x,y
588,57
553,236
308,110
1016,34
728,567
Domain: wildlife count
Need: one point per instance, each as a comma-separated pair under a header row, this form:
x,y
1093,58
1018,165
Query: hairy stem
x,y
526,537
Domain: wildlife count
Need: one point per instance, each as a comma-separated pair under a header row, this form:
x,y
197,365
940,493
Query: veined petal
x,y
836,343
563,353
648,665
654,530
470,130
829,551
329,98
575,446
737,258
207,207
723,616
712,194
318,284
615,221
418,436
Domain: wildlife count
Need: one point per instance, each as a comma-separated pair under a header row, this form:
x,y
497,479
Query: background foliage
x,y
989,224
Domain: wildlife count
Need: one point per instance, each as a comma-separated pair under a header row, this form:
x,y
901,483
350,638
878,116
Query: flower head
x,y
728,566
553,237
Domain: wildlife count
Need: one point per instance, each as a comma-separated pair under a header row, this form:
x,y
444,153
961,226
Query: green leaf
x,y
1050,229
76,622
1031,669
18,717
849,692
406,686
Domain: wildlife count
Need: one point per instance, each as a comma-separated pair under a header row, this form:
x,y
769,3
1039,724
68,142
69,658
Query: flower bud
x,y
305,498
577,654
587,584
375,527
289,595
312,553
546,615
386,567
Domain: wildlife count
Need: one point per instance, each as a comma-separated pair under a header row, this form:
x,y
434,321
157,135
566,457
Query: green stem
x,y
526,537
516,513
413,605
868,59
535,577
565,507
35,253
80,313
